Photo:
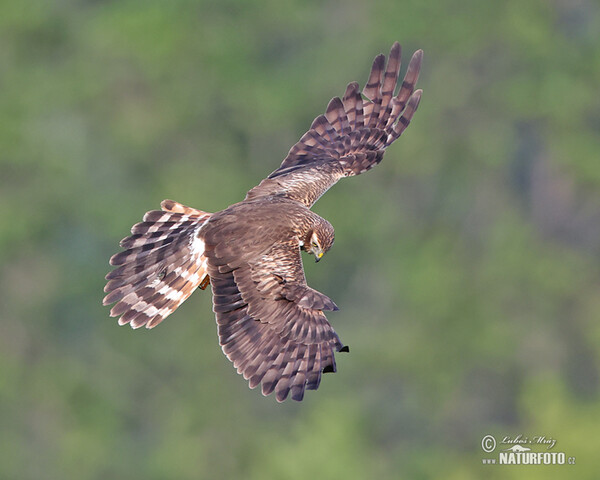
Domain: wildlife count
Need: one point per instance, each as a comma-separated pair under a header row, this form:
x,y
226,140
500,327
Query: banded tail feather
x,y
161,265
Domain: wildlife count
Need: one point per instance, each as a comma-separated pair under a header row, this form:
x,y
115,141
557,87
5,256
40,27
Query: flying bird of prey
x,y
271,324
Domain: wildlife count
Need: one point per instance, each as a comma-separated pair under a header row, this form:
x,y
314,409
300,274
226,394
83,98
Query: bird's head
x,y
319,240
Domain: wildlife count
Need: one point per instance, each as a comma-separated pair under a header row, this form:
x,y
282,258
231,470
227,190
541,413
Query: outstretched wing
x,y
352,135
271,323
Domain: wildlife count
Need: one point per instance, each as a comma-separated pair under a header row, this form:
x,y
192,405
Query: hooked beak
x,y
318,256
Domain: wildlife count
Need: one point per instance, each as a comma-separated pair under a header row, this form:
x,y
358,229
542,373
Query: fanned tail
x,y
162,264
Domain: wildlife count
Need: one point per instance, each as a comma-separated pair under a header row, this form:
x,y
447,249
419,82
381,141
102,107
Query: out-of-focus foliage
x,y
466,266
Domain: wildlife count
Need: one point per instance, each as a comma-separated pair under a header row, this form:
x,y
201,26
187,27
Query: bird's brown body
x,y
274,219
271,323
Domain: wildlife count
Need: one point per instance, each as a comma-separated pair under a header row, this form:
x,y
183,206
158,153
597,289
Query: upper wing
x,y
271,324
352,135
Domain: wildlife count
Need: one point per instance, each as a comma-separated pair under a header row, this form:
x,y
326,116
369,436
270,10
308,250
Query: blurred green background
x,y
466,266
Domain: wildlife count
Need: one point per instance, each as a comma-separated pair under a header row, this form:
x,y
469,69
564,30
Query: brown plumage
x,y
271,323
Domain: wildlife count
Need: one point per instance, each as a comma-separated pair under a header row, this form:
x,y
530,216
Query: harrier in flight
x,y
271,324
